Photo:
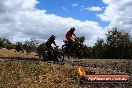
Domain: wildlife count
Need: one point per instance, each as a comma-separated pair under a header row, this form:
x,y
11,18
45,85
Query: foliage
x,y
5,43
41,48
87,51
98,49
31,45
2,43
19,46
82,39
118,44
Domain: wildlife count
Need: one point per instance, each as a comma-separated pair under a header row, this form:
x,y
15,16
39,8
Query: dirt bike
x,y
74,49
53,55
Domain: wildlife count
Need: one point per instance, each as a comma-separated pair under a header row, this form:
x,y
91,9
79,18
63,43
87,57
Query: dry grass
x,y
22,74
39,74
13,53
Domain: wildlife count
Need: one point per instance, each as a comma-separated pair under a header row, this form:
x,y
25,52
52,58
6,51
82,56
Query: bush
x,y
1,43
19,46
5,43
31,46
41,48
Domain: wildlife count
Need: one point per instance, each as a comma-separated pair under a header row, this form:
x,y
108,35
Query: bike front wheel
x,y
60,56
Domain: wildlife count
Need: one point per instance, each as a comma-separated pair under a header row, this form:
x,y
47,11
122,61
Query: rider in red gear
x,y
70,38
69,35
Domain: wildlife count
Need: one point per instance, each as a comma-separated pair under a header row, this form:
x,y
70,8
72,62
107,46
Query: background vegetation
x,y
117,45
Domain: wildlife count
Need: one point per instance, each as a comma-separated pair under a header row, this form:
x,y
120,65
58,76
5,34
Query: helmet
x,y
72,29
53,36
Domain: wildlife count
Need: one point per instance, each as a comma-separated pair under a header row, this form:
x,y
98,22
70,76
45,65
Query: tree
x,y
5,43
41,48
118,44
1,43
98,49
82,39
31,45
19,46
87,51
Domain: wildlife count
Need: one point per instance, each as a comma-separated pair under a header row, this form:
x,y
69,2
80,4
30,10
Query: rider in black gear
x,y
50,41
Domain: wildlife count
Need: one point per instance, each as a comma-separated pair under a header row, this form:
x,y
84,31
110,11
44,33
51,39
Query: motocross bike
x,y
74,49
53,55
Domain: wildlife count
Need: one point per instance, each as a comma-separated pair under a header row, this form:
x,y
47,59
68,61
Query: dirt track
x,y
14,65
34,73
117,65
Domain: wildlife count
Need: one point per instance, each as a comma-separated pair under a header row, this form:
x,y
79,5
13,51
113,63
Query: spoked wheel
x,y
60,57
63,48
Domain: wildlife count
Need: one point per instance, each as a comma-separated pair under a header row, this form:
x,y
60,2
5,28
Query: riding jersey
x,y
68,36
49,42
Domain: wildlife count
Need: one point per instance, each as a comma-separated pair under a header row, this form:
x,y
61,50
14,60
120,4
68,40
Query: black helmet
x,y
72,29
53,36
